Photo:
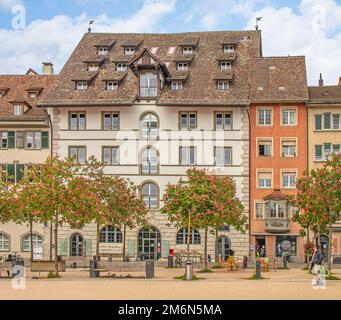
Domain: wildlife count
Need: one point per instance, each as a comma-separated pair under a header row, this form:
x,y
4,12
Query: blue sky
x,y
51,29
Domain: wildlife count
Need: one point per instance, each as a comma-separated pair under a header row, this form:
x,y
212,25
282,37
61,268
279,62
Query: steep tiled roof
x,y
200,87
325,94
18,87
278,78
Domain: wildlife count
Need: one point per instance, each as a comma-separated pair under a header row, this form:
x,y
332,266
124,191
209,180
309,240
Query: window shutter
x,y
19,171
327,120
10,172
88,248
63,247
165,249
45,140
11,140
318,122
318,152
131,248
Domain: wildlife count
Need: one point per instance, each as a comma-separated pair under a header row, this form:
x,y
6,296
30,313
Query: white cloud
x,y
54,40
210,20
9,4
314,32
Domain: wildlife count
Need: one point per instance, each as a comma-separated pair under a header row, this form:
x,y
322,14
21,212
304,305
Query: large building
x,y
278,147
25,138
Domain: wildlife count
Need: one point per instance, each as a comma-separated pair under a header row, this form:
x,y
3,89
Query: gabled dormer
x,y
33,93
228,46
94,62
131,47
188,45
104,46
19,107
3,91
83,79
113,79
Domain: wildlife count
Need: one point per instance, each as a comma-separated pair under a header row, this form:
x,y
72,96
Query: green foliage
x,y
183,277
205,271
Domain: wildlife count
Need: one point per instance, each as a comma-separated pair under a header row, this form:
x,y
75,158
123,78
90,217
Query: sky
x,y
33,31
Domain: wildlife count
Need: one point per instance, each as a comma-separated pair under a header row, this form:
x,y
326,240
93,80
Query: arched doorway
x,y
224,247
149,244
77,243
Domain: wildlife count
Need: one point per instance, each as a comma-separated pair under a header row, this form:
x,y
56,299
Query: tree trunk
x,y
319,235
205,248
188,235
56,246
330,244
124,243
31,237
216,245
97,242
51,240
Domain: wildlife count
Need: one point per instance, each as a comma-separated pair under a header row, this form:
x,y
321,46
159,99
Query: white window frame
x,y
81,85
261,203
265,185
129,51
26,241
103,51
187,161
121,67
177,85
18,109
264,110
223,85
187,50
111,161
5,242
182,66
224,161
286,176
225,65
36,137
289,119
229,48
93,67
3,140
285,141
111,85
265,140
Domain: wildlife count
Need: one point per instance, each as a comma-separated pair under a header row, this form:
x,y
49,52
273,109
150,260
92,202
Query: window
x,y
150,126
187,50
318,152
277,209
265,117
79,153
102,50
26,243
182,235
223,85
18,109
111,155
223,156
20,139
228,48
336,121
318,121
111,121
188,156
3,140
265,148
129,50
93,67
182,66
33,140
4,242
259,210
148,85
288,117
82,85
327,120
121,67
150,161
32,95
77,120
150,195
327,150
110,234
171,50
289,148
111,85
223,120
264,179
188,120
336,148
293,242
289,180
176,85
225,65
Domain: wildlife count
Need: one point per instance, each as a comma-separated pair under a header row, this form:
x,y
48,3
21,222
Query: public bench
x,y
47,266
7,267
117,266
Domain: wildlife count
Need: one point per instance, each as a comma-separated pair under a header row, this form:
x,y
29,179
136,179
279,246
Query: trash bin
x,y
189,270
93,267
170,261
149,269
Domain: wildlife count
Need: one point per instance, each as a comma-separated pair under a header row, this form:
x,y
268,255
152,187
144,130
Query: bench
x,y
47,266
106,266
7,267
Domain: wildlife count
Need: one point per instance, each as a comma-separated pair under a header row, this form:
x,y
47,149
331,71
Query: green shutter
x,y
63,247
19,171
336,148
88,248
10,172
318,122
11,139
131,248
327,120
318,152
45,140
165,249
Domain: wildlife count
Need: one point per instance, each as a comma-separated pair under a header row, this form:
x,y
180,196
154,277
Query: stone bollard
x,y
258,270
149,269
93,272
170,262
189,270
245,262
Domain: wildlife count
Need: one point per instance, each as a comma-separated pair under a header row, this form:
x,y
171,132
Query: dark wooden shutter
x,y
11,139
45,140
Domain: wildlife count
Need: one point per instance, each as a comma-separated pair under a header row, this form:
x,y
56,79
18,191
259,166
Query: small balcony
x,y
277,225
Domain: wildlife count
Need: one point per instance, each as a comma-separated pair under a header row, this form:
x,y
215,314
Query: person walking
x,y
316,264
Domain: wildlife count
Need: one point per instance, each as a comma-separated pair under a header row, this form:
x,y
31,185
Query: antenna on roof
x,y
257,20
90,23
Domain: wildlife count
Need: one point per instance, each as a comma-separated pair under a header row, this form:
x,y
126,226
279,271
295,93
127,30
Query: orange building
x,y
278,153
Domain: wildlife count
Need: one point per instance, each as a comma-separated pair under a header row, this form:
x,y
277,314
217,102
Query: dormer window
x,y
103,51
182,66
187,50
228,48
177,85
18,109
121,67
82,85
129,50
93,67
32,95
225,65
223,85
148,85
112,85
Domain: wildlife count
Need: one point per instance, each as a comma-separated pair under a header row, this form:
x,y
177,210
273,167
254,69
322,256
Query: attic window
x,y
187,50
103,51
229,48
223,85
93,67
260,88
182,66
171,50
18,109
82,85
32,95
225,65
177,85
112,85
281,88
154,50
129,50
121,67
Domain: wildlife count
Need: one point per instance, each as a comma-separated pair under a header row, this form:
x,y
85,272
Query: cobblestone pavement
x,y
221,284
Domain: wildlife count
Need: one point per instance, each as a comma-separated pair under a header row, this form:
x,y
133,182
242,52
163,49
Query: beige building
x,y
324,136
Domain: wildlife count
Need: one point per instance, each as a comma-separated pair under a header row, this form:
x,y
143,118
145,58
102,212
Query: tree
x,y
6,201
319,198
204,201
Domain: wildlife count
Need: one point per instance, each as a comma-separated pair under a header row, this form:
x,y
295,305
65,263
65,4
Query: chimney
x,y
48,68
320,81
